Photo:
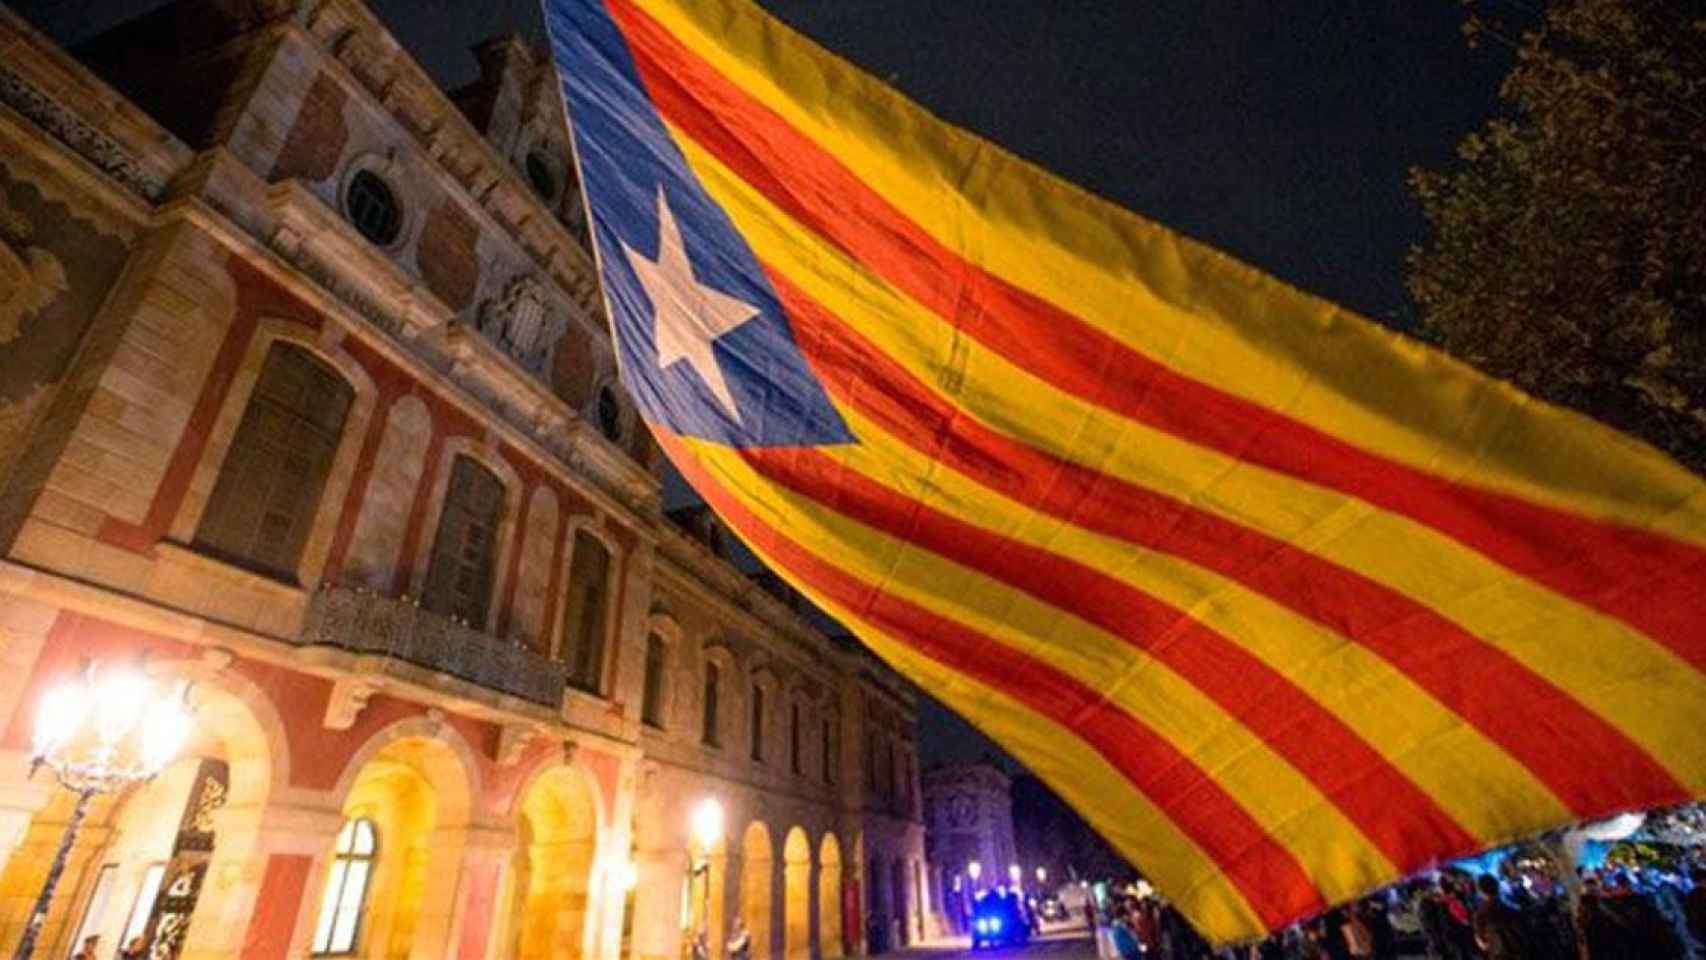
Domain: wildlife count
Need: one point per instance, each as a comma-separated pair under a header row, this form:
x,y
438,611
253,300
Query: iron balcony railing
x,y
364,622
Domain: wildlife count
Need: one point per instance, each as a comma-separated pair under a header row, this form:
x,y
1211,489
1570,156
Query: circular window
x,y
373,208
543,173
609,413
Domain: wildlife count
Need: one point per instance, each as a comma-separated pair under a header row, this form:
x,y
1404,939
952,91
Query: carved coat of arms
x,y
30,276
522,322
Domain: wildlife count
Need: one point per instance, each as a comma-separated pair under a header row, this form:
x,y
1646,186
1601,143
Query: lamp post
x,y
974,870
1042,876
706,826
1014,874
100,735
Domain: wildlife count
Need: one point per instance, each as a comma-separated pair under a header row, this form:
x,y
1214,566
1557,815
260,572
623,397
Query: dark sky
x,y
1279,132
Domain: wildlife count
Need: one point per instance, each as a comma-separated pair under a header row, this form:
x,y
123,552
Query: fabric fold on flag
x,y
1286,605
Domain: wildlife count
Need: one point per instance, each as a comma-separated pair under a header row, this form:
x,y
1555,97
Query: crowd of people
x,y
1649,914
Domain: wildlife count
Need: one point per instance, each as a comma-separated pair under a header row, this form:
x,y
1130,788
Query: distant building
x,y
306,392
968,818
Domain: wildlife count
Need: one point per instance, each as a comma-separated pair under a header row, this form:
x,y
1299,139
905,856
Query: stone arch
x,y
325,345
129,843
416,780
900,902
489,458
757,871
374,552
707,885
796,895
830,942
539,538
559,826
455,768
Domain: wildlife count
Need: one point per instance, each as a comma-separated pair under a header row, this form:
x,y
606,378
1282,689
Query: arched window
x,y
339,926
828,756
263,504
586,615
464,551
711,706
651,696
757,723
795,761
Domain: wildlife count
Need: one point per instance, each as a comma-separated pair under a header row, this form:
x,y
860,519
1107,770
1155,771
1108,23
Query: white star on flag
x,y
689,316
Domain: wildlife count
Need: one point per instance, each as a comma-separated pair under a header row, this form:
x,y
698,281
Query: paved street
x,y
1070,945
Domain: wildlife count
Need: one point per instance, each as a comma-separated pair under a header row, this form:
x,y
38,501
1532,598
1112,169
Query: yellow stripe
x,y
1338,858
1188,306
1643,688
1425,740
1122,815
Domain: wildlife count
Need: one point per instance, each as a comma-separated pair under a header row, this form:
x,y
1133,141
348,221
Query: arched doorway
x,y
757,866
796,896
829,943
705,892
899,903
391,871
150,862
559,836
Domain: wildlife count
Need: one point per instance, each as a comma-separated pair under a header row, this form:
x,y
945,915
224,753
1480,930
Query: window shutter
x,y
460,573
586,615
262,507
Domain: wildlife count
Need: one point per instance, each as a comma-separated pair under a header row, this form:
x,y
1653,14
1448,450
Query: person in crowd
x,y
1599,932
1379,922
89,949
1694,910
1358,938
1498,928
1430,914
1124,934
136,948
740,941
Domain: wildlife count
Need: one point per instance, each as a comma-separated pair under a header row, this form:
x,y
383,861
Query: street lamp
x,y
974,870
706,825
1014,873
101,735
1042,876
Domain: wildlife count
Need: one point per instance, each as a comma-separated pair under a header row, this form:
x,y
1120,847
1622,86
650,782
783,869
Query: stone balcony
x,y
363,622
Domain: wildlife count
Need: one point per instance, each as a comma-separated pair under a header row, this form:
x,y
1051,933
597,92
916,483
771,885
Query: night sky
x,y
1280,133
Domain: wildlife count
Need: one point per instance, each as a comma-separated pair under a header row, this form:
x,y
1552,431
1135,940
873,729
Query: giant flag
x,y
1285,604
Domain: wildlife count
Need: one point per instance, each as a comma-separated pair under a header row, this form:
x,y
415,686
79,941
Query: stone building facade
x,y
305,395
968,817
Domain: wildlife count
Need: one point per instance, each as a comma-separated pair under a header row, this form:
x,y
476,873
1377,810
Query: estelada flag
x,y
1287,605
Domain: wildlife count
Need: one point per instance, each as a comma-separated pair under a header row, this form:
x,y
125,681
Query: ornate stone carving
x,y
30,277
68,128
523,323
349,697
513,741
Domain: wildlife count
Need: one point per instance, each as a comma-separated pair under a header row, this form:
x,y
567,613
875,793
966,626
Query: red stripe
x,y
1269,877
1392,812
1589,764
1655,584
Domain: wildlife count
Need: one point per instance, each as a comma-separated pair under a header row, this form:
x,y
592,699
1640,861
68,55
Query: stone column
x,y
658,905
280,849
444,870
482,923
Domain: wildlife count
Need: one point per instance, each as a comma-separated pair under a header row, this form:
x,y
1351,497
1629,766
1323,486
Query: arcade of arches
x,y
272,837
